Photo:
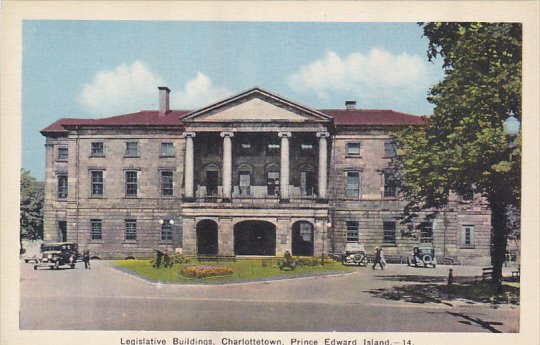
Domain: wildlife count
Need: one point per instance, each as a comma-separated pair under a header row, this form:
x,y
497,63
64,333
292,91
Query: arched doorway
x,y
207,237
255,237
302,239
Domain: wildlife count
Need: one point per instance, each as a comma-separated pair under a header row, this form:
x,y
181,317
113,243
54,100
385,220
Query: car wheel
x,y
35,267
26,260
72,265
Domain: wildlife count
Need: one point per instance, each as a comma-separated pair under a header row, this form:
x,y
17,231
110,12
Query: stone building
x,y
254,174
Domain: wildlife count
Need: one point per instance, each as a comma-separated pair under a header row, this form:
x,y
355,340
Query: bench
x,y
216,258
487,273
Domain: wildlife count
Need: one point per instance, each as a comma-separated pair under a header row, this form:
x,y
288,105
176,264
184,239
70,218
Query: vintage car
x,y
54,255
423,255
355,254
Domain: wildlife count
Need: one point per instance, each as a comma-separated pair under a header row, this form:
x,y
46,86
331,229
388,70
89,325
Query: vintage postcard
x,y
259,173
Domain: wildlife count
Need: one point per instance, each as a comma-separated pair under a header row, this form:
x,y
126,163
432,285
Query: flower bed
x,y
205,271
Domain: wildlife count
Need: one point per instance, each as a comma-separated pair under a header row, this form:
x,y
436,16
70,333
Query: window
x,y
273,150
389,149
306,231
426,232
95,229
353,184
130,226
390,185
353,149
166,183
246,149
97,150
306,147
62,186
244,182
131,183
352,232
167,150
166,231
468,235
132,149
389,230
212,178
307,182
97,183
272,183
62,153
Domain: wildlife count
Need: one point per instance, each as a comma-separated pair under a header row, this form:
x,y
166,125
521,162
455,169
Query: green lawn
x,y
244,270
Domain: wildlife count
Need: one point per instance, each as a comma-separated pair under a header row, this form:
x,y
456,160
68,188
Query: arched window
x,y
307,180
272,179
211,178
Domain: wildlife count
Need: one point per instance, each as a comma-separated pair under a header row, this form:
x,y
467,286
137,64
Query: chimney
x,y
163,100
350,105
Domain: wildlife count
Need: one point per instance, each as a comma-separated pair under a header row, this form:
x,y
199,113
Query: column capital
x,y
189,135
323,134
226,134
284,134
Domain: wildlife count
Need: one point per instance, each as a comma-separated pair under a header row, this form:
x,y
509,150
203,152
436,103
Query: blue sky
x,y
93,69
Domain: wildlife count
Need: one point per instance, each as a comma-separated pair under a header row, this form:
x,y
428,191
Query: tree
x,y
32,198
463,148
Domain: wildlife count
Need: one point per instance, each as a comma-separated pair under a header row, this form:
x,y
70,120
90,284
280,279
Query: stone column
x,y
189,166
227,165
189,236
323,164
225,237
284,166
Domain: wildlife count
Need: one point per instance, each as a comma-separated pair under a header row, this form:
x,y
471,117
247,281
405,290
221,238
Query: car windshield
x,y
51,248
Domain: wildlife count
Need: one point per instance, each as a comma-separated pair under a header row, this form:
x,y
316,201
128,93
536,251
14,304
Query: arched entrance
x,y
302,239
207,237
255,237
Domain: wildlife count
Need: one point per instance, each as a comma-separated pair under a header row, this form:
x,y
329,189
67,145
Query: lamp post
x,y
511,128
169,234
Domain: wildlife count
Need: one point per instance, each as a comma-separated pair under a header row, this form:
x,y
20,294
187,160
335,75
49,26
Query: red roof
x,y
358,117
342,117
142,118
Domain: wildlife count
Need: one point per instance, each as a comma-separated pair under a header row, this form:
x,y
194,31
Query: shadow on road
x,y
469,320
417,293
413,278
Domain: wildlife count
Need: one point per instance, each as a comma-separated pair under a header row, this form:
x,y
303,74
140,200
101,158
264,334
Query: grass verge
x,y
243,270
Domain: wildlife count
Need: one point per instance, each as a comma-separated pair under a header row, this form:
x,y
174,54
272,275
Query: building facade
x,y
255,175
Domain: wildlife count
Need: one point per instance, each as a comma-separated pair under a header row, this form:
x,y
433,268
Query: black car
x,y
54,255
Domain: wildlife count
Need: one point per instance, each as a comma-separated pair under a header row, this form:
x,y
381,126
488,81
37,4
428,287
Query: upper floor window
x,y
389,232
97,149
389,149
166,183
426,232
273,149
244,183
353,149
352,231
62,186
391,185
130,228
246,149
62,154
131,183
306,147
468,235
96,183
96,229
272,182
132,149
353,184
167,150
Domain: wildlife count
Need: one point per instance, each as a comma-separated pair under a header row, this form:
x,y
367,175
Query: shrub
x,y
176,259
205,271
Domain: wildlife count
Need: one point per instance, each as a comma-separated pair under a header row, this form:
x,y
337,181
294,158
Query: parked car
x,y
423,255
355,254
54,255
31,250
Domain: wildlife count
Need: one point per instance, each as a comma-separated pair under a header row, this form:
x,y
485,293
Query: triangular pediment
x,y
256,105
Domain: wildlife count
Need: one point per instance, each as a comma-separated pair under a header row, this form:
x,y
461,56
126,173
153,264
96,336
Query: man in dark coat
x,y
378,258
159,255
86,258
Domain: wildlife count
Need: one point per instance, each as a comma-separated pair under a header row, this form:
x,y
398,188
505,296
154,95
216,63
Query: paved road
x,y
106,299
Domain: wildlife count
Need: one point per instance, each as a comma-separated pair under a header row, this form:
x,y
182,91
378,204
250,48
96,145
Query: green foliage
x,y
31,206
464,148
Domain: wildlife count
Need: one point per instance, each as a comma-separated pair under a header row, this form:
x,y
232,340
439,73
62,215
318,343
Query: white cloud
x,y
127,88
131,88
371,77
198,92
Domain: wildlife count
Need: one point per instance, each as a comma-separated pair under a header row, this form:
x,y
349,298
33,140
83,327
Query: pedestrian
x,y
378,258
167,260
86,259
159,255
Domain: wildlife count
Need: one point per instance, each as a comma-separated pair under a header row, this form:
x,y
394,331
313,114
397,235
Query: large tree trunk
x,y
499,236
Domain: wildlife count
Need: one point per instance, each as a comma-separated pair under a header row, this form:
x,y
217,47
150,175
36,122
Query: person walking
x,y
86,259
159,255
378,258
